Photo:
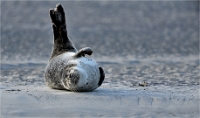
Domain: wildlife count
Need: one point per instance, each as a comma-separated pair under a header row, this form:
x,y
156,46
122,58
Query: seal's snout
x,y
73,76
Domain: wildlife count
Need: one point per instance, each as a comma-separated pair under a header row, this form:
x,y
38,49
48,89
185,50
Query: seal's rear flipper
x,y
58,16
83,51
61,41
102,76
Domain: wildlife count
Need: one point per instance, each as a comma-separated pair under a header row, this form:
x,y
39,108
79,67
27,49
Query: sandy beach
x,y
107,101
134,42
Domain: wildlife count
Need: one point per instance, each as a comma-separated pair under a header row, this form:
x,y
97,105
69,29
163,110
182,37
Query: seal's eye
x,y
71,65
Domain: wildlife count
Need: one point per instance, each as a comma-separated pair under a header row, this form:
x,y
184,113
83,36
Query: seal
x,y
68,68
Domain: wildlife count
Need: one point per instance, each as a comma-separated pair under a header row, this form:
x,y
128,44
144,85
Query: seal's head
x,y
73,78
81,74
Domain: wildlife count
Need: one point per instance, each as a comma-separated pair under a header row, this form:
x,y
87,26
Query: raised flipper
x,y
83,51
61,41
58,16
102,76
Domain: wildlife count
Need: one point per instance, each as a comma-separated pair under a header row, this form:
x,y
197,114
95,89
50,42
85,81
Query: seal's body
x,y
68,68
76,74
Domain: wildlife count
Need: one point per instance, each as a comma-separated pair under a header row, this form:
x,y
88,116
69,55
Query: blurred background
x,y
112,28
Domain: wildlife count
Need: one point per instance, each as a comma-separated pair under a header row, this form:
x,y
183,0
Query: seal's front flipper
x,y
102,76
83,51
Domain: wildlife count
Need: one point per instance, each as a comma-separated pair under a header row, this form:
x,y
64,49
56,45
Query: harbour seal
x,y
68,68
